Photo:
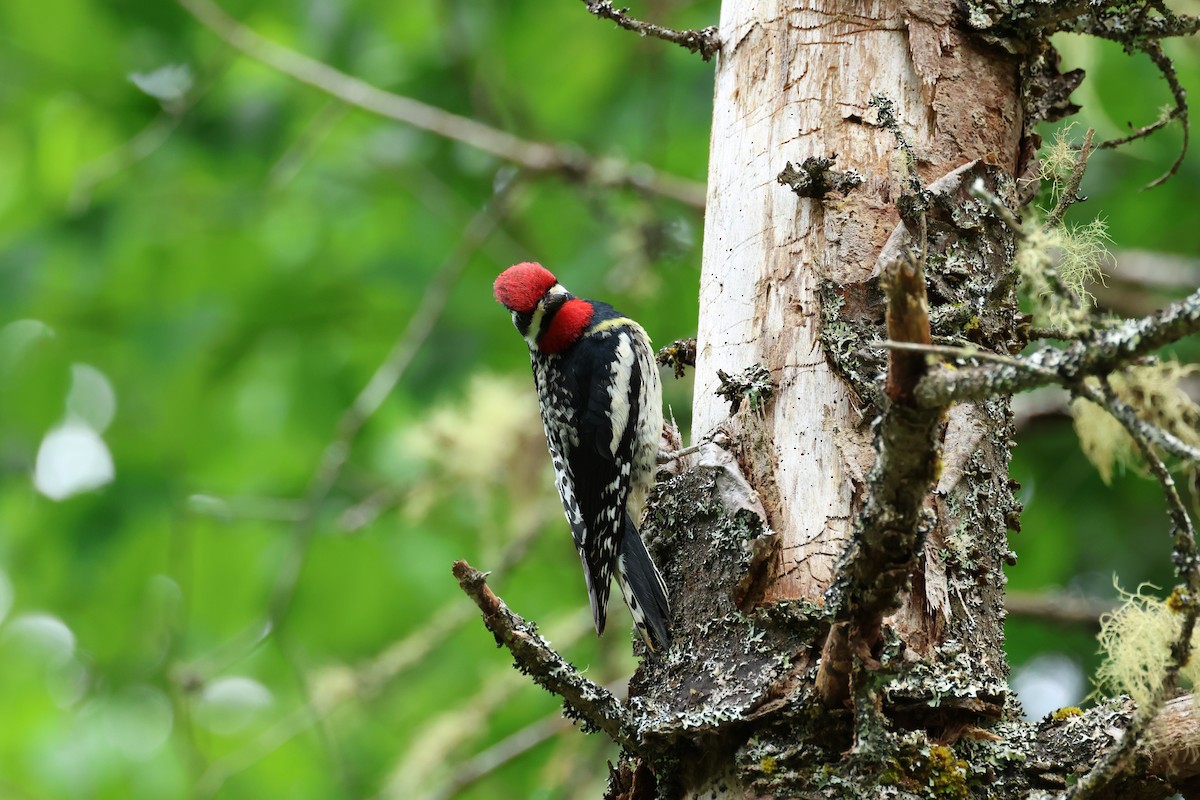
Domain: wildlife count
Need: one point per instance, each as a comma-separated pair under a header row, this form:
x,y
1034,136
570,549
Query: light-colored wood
x,y
1174,741
794,80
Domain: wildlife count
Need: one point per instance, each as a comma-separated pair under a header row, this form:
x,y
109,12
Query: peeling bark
x,y
791,283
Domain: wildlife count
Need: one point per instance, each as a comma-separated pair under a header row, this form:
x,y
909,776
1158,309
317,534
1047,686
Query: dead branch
x,y
703,41
586,701
889,532
1097,354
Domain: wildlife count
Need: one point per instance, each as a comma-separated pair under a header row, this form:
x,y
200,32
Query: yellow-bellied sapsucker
x,y
601,402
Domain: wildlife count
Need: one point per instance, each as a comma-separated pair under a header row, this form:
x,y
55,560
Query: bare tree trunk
x,y
793,83
791,283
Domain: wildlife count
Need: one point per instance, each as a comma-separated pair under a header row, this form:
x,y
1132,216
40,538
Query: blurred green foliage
x,y
235,254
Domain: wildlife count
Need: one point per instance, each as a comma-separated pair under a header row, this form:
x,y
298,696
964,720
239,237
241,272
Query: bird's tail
x,y
643,590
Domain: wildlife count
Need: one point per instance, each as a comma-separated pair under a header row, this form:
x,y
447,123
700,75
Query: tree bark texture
x,y
752,536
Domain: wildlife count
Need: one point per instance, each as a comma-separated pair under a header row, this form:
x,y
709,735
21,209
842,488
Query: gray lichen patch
x,y
726,665
815,177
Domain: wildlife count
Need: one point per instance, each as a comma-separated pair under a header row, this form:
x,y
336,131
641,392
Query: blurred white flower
x,y
227,705
42,634
72,459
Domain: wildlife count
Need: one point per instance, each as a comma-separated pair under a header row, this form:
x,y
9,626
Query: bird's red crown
x,y
521,286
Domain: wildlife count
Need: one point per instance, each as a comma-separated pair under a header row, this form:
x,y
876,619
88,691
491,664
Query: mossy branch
x,y
1140,25
1095,355
1171,748
889,532
590,702
1025,17
1070,192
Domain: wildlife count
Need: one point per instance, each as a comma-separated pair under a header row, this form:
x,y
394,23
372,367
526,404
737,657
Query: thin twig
x,y
979,191
964,353
1187,568
433,752
1180,111
316,711
499,754
144,143
1154,50
432,757
667,458
333,459
288,165
272,509
533,156
710,437
381,384
703,41
1070,193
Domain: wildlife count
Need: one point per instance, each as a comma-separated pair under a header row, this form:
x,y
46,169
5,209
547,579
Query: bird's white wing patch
x,y
618,389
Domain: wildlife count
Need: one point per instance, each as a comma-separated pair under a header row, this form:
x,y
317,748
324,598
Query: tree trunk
x,y
790,84
792,284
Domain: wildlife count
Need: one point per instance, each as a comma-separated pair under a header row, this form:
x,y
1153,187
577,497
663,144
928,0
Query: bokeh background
x,y
255,396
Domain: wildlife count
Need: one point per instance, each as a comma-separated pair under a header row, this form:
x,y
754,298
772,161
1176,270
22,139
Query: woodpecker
x,y
601,402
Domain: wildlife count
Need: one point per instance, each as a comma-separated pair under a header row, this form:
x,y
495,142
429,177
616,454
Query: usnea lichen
x,y
1057,265
1155,393
1136,640
1058,261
